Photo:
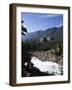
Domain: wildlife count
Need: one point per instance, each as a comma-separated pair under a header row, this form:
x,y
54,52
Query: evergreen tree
x,y
23,29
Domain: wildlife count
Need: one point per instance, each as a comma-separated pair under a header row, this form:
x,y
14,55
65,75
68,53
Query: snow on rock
x,y
47,66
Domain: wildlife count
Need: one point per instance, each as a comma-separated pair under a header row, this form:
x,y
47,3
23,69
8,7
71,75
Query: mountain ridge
x,y
56,32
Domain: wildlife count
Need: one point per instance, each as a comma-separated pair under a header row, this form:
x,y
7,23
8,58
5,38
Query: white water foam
x,y
47,66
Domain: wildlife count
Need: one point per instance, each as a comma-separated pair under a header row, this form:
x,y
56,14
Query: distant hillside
x,y
55,32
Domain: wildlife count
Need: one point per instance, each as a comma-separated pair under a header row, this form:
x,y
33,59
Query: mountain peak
x,y
56,32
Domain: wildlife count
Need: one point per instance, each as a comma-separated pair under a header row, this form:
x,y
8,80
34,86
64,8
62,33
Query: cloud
x,y
49,16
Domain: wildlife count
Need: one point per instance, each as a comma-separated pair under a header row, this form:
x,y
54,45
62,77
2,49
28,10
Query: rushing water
x,y
47,66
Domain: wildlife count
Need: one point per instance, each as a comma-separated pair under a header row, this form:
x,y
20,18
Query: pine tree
x,y
23,29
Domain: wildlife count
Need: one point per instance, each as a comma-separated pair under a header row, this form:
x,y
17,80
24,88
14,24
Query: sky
x,y
40,21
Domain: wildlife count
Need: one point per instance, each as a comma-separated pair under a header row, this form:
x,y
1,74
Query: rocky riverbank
x,y
48,56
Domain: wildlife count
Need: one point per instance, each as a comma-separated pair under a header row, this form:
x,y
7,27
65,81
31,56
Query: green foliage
x,y
34,46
